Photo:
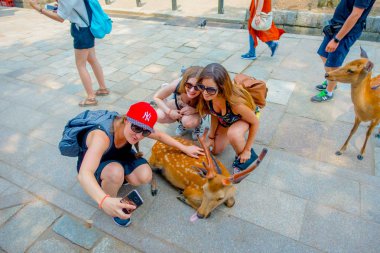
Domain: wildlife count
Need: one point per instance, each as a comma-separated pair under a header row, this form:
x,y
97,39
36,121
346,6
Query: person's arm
x,y
35,5
249,116
98,142
164,93
259,7
192,151
346,28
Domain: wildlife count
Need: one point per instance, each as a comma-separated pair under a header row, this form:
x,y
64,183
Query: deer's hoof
x,y
360,157
182,199
154,192
338,153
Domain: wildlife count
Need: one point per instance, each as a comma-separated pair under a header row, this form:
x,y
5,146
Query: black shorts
x,y
83,38
129,165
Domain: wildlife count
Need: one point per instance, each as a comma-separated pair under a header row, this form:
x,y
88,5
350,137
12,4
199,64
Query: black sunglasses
x,y
189,86
209,90
138,129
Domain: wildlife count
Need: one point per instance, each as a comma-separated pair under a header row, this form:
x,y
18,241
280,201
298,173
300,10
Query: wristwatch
x,y
336,40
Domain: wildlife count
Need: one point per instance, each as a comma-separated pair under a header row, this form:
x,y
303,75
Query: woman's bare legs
x,y
81,56
95,65
141,175
112,178
236,135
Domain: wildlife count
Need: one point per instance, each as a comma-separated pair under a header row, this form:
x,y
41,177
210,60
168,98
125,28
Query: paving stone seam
x,y
22,206
42,234
144,232
276,232
345,173
43,198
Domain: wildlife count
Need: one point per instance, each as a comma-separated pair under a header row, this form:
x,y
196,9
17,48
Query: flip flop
x,y
88,102
102,92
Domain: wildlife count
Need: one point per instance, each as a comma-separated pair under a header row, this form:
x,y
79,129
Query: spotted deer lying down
x,y
206,183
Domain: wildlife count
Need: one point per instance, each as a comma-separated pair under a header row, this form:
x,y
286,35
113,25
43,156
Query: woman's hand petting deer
x,y
107,158
232,112
182,107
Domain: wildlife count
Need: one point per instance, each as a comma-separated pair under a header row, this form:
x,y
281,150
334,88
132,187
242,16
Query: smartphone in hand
x,y
51,7
132,198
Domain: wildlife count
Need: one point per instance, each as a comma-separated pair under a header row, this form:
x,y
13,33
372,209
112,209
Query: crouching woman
x,y
108,159
232,112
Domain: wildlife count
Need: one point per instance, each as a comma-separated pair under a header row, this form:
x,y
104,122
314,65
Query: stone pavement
x,y
235,12
302,198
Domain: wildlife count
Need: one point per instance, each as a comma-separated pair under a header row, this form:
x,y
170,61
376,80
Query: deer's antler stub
x,y
210,166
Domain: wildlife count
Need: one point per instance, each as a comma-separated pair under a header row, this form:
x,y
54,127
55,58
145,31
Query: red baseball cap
x,y
143,115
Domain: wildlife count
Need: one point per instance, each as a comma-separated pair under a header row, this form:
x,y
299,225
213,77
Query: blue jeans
x,y
252,50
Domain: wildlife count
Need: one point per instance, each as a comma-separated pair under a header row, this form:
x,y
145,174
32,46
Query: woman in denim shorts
x,y
79,13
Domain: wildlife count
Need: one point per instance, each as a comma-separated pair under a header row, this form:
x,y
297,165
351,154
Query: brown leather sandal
x,y
88,102
102,92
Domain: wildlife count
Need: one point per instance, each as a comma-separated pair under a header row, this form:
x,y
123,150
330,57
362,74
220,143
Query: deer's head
x,y
219,188
353,72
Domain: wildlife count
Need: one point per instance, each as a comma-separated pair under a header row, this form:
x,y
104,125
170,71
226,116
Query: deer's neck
x,y
360,91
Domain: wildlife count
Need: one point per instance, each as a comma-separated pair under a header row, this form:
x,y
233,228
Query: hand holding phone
x,y
132,198
51,7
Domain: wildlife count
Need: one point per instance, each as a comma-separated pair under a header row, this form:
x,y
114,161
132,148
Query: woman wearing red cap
x,y
108,159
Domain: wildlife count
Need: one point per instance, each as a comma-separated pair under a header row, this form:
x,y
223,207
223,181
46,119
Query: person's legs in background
x,y
98,71
81,56
251,55
331,62
326,88
273,46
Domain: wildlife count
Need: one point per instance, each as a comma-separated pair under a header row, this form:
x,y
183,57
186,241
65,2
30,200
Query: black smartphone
x,y
132,198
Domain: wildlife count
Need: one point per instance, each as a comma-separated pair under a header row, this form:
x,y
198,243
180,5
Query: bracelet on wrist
x,y
102,201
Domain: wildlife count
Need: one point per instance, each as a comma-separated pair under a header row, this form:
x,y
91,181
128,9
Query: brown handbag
x,y
257,88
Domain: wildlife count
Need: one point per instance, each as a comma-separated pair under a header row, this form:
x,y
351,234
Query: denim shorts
x,y
129,166
336,58
83,38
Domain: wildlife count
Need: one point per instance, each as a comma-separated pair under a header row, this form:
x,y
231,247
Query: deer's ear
x,y
369,66
226,181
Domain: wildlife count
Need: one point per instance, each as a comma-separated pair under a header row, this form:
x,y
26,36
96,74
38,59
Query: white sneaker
x,y
180,130
199,130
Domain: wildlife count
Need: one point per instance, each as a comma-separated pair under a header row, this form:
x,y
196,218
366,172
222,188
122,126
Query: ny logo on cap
x,y
146,116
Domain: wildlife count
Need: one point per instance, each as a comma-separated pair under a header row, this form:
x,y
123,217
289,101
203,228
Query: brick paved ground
x,y
302,198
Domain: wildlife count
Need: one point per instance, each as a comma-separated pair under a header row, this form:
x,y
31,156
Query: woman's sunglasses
x,y
189,86
209,90
138,129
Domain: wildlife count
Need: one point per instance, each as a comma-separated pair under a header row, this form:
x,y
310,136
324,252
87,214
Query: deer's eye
x,y
220,199
350,71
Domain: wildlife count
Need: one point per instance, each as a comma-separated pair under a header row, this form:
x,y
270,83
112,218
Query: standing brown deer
x,y
364,94
203,188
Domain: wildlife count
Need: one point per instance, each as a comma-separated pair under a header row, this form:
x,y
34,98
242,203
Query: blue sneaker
x,y
238,166
323,86
274,48
248,56
122,222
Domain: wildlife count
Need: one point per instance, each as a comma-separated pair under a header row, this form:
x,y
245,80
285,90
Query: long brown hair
x,y
190,72
120,122
233,94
